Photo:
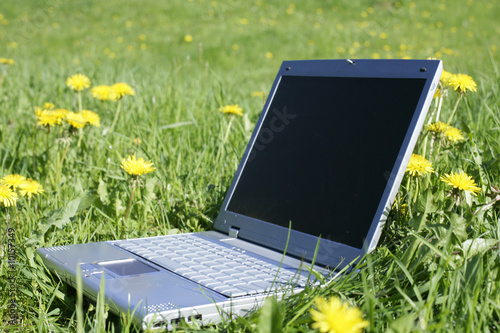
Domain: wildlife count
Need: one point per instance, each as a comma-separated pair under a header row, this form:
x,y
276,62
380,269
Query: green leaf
x,y
403,324
474,271
471,247
102,191
148,194
458,224
425,203
270,319
62,216
68,212
118,206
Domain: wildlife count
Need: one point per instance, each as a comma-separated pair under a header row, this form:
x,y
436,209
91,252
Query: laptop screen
x,y
324,152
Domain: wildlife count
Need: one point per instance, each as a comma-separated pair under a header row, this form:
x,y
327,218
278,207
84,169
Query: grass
x,y
437,266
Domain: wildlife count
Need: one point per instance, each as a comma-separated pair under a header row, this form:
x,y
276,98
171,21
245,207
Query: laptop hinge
x,y
233,232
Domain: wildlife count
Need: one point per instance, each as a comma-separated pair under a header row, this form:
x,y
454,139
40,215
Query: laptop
x,y
312,192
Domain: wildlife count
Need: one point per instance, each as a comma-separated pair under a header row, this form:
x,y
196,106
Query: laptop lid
x,y
327,156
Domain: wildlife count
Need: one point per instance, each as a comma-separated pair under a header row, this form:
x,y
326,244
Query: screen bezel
x,y
299,244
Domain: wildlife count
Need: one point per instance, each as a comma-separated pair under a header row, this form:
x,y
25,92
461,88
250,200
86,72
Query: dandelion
x,y
136,167
30,187
231,109
104,93
121,89
6,61
76,120
444,76
91,118
13,181
260,94
461,83
334,316
453,134
419,165
48,106
7,196
78,82
188,38
438,93
438,127
47,118
59,114
462,182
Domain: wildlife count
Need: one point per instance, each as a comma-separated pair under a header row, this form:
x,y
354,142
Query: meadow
x,y
437,265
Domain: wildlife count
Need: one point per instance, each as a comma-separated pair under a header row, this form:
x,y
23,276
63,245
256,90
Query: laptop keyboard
x,y
228,271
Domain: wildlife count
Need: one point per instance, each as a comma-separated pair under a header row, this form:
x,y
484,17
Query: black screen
x,y
324,154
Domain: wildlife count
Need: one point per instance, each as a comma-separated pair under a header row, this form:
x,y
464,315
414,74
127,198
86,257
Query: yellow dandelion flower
x,y
121,89
6,61
453,134
136,167
438,127
13,181
7,196
91,117
334,316
46,118
30,187
231,109
260,94
461,83
444,76
104,93
188,38
76,120
461,181
78,82
38,111
438,93
419,165
59,114
48,106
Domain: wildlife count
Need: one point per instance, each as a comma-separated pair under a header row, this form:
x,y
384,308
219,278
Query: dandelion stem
x,y
34,152
431,145
130,200
79,101
48,144
408,197
415,193
440,104
118,107
59,169
80,136
460,96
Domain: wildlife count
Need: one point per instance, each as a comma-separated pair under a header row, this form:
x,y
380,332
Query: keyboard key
x,y
219,268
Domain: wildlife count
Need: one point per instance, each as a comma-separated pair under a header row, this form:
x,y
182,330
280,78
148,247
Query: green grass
x,y
437,266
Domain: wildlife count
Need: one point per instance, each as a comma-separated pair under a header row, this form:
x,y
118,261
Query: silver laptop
x,y
312,191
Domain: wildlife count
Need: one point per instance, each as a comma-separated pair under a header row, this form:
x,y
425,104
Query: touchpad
x,y
126,267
